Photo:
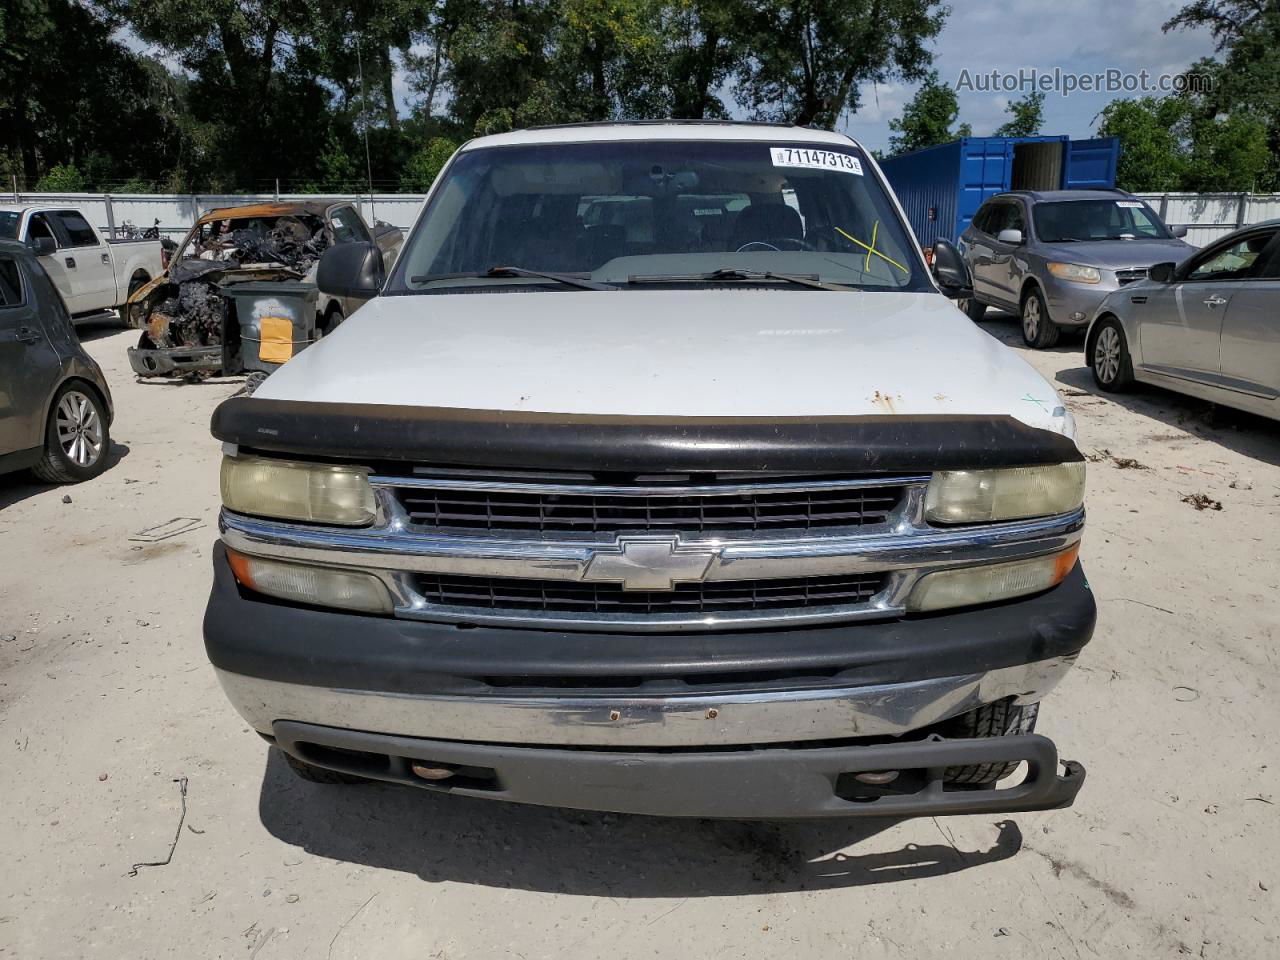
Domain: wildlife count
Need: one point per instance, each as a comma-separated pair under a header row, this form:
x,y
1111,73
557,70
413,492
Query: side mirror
x,y
1010,236
951,272
42,246
352,270
1161,272
1179,231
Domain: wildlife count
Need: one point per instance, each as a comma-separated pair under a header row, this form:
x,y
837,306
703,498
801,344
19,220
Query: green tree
x,y
1151,153
805,60
927,118
62,178
421,170
1025,116
1171,143
1244,78
69,91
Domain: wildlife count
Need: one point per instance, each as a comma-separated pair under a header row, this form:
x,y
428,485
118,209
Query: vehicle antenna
x,y
364,122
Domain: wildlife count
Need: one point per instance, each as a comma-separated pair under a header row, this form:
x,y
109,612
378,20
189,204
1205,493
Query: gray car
x,y
1052,256
1209,327
55,407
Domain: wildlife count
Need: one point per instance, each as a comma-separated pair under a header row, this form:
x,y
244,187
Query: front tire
x,y
1109,358
974,309
1038,331
76,438
1003,718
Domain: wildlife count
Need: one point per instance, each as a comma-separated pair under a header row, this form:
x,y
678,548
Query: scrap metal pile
x,y
191,313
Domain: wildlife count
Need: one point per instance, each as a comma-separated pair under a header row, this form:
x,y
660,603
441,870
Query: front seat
x,y
765,222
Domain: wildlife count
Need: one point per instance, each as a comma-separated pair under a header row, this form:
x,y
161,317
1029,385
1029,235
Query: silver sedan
x,y
1208,327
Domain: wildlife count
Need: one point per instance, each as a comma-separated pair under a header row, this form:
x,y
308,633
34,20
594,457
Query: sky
x,y
1082,36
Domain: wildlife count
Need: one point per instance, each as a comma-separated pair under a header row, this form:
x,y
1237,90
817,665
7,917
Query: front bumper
x,y
1073,304
765,784
160,363
763,723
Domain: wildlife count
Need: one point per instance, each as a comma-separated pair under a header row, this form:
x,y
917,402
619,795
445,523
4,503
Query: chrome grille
x,y
607,509
1126,277
729,596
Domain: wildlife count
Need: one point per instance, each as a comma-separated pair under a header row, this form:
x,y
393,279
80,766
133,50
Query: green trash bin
x,y
277,320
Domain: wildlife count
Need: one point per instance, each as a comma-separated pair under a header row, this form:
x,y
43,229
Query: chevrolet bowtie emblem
x,y
648,563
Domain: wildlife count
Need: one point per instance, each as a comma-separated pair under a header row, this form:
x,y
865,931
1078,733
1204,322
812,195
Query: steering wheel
x,y
776,244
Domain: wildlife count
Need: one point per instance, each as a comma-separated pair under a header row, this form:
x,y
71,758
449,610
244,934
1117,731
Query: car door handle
x,y
71,262
1214,301
106,258
27,335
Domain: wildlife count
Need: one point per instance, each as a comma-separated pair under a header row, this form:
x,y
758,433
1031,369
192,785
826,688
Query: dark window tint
x,y
9,220
79,233
981,217
997,218
40,227
1233,262
1084,220
347,226
10,283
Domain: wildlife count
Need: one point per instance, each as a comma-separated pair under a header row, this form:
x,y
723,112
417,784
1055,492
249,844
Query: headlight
x,y
1075,272
966,586
288,490
303,583
1010,493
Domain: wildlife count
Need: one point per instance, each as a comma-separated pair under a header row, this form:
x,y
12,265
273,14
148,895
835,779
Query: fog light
x,y
304,583
967,586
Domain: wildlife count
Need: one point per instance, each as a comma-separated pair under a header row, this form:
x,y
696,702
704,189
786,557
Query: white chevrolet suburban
x,y
94,276
658,476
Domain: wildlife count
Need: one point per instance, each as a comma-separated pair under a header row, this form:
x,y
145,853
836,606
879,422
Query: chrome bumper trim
x,y
903,554
910,547
704,719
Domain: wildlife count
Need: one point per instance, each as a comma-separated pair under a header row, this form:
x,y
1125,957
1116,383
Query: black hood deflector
x,y
450,436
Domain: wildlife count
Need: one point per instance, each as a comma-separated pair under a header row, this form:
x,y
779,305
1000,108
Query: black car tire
x,y
1038,331
77,436
1109,358
973,308
1001,719
312,774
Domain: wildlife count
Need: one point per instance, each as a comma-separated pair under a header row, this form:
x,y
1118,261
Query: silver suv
x,y
1052,256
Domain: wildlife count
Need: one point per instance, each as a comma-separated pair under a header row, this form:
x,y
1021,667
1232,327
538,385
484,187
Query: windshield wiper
x,y
568,279
729,274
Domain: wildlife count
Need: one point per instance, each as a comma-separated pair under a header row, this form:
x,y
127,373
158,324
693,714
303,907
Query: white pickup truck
x,y
94,276
658,475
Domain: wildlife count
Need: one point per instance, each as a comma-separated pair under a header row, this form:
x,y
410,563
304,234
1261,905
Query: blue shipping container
x,y
942,187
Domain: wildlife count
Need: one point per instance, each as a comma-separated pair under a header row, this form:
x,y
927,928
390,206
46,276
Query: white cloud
x,y
1086,36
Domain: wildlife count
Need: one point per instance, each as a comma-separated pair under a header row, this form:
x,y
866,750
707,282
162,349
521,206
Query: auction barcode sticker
x,y
815,159
1133,204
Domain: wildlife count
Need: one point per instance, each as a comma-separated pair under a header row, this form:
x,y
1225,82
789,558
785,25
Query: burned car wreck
x,y
188,316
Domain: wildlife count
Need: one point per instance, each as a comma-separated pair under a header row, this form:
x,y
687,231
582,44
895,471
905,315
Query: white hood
x,y
704,352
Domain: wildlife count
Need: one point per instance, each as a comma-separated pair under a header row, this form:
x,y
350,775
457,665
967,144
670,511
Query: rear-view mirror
x,y
1161,272
352,270
42,246
950,270
1010,236
1179,231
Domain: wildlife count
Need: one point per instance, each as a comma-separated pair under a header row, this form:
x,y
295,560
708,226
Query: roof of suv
x,y
1047,196
664,130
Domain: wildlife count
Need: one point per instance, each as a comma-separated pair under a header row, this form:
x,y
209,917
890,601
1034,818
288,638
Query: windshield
x,y
1069,220
9,225
620,212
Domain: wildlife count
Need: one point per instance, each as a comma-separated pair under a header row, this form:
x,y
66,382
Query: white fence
x,y
1206,215
177,212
